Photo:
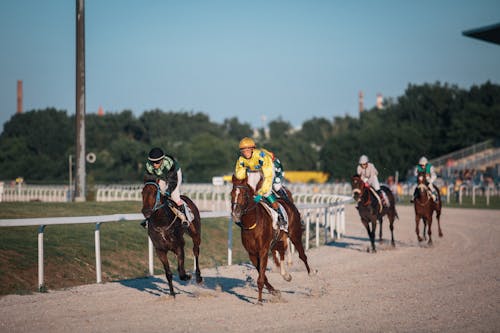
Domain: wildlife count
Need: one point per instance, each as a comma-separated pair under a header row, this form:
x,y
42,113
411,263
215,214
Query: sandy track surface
x,y
453,286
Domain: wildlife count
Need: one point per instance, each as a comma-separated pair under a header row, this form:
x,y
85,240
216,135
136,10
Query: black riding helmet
x,y
156,154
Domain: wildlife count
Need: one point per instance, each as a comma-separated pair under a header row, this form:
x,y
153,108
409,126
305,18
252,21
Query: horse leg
x,y
371,233
391,227
196,252
380,231
438,215
164,259
417,227
180,264
296,238
429,231
286,276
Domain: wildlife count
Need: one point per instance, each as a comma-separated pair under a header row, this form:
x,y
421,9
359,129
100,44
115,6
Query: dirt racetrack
x,y
453,286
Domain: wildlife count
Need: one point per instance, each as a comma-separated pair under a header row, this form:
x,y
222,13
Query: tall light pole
x,y
80,173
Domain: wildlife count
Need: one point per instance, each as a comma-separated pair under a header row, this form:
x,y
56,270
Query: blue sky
x,y
247,59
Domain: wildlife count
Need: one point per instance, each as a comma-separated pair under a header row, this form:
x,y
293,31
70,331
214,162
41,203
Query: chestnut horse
x,y
425,207
370,209
167,232
258,236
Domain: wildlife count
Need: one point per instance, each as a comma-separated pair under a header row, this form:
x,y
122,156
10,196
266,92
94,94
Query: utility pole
x,y
80,173
19,96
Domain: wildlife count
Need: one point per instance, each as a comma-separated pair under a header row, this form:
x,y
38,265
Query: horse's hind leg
x,y
438,216
391,226
196,252
180,264
380,231
296,239
164,259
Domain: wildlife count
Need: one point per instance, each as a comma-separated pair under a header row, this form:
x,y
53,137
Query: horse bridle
x,y
423,187
158,203
244,210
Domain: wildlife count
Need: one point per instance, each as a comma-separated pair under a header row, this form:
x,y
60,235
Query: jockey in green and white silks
x,y
430,176
166,170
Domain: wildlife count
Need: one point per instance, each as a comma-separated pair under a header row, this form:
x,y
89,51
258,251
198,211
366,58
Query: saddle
x,y
274,216
186,218
383,202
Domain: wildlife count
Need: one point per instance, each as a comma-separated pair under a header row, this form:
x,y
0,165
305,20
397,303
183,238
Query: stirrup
x,y
239,224
144,223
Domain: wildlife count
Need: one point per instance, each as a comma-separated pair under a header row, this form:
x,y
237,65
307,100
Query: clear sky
x,y
247,59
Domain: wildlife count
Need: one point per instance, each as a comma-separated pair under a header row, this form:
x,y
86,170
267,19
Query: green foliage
x,y
428,119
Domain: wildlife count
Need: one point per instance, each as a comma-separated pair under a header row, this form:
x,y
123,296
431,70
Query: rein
x,y
422,188
159,205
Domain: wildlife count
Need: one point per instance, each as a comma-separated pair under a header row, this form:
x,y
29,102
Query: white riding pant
x,y
176,193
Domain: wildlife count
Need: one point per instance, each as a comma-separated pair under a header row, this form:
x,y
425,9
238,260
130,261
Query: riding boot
x,y
282,193
183,217
281,218
382,198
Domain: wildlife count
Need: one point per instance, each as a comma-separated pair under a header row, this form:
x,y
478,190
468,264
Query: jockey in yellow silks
x,y
256,164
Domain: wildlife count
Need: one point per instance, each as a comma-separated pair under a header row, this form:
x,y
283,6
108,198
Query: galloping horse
x,y
167,232
370,209
257,235
425,207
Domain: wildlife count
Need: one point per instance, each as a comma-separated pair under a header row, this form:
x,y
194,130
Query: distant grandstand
x,y
483,156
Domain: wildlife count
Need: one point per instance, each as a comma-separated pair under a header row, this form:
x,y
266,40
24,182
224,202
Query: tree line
x,y
428,119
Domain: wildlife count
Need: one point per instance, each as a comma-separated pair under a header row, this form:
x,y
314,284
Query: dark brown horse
x,y
425,207
167,232
257,234
371,210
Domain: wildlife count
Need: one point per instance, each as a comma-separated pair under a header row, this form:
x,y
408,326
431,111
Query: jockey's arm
x,y
268,173
240,171
171,180
432,176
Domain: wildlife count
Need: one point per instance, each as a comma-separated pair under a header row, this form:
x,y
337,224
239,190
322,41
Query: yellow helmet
x,y
247,143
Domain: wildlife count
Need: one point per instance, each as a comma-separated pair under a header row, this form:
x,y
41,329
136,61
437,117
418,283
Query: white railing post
x,y
41,284
98,253
151,258
230,242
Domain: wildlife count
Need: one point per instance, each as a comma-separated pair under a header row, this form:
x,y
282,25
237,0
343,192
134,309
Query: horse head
x,y
150,198
241,198
358,187
421,181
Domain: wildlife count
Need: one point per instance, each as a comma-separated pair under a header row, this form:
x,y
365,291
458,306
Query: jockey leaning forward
x,y
256,164
430,177
166,171
369,174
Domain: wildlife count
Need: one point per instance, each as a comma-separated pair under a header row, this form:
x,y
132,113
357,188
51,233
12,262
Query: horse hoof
x,y
199,279
420,239
287,277
185,277
276,292
393,244
440,234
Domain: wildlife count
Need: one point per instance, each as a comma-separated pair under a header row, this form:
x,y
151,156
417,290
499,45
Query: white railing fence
x,y
321,210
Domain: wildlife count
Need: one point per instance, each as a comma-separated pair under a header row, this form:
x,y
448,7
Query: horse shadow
x,y
357,243
158,287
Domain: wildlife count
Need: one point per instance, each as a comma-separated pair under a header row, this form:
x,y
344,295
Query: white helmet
x,y
422,161
363,159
